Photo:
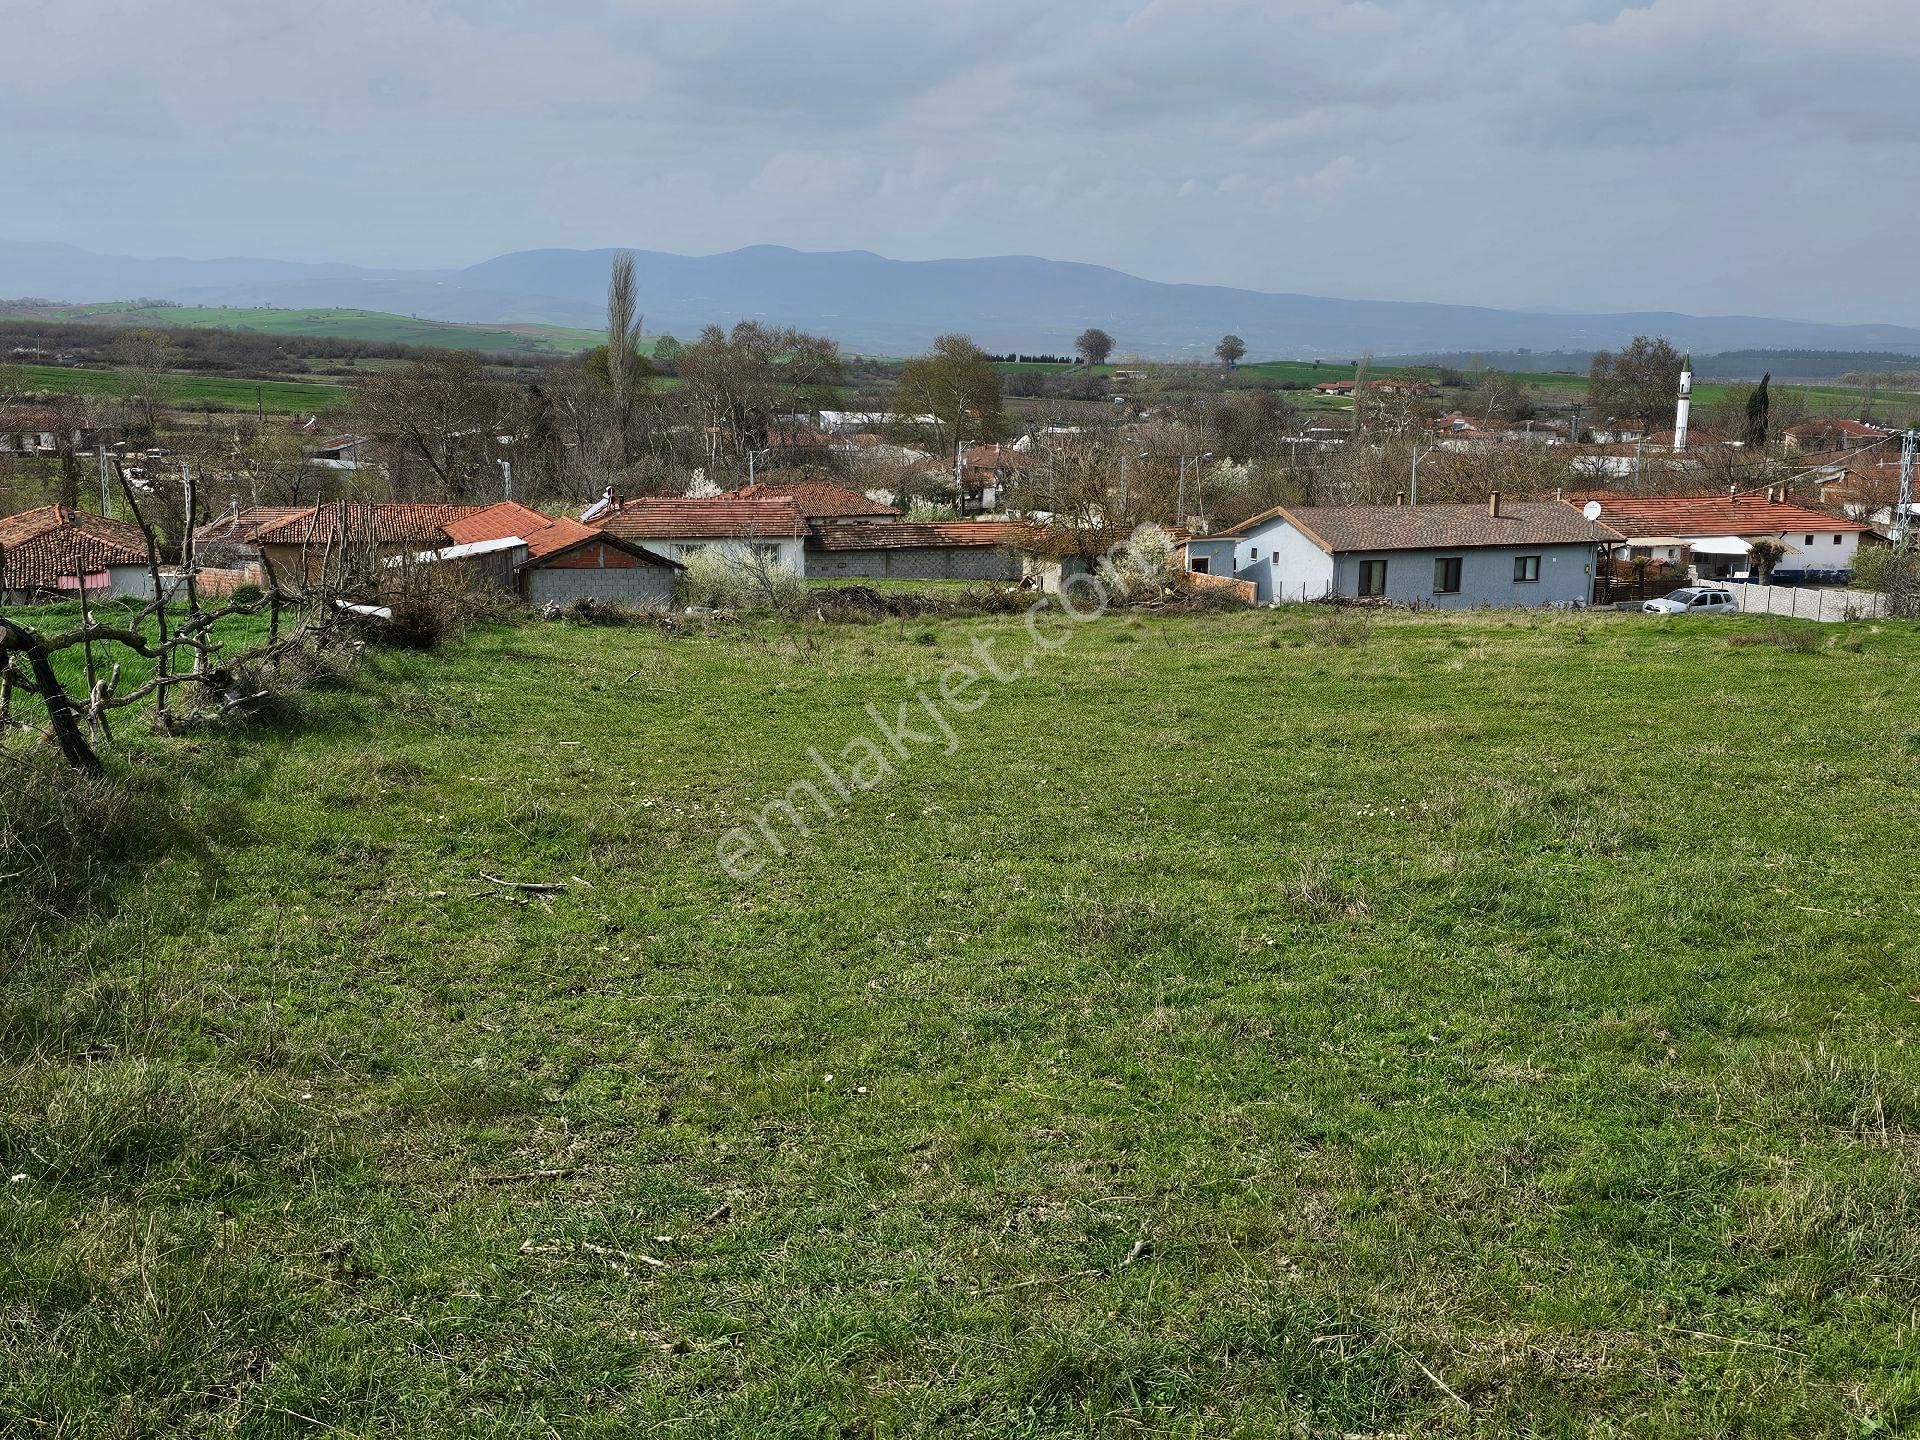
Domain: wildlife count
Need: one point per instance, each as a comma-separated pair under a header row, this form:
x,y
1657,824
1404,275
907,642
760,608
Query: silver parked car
x,y
1694,600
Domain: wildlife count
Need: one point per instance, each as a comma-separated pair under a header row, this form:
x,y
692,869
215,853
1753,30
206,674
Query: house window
x,y
1525,568
1373,577
1836,539
1809,539
1199,564
1446,575
1254,553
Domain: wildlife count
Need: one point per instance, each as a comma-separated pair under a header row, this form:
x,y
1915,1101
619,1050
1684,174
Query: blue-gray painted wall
x,y
1284,565
1486,576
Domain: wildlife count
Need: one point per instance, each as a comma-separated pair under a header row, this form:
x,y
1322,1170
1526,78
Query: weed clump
x,y
1340,628
62,830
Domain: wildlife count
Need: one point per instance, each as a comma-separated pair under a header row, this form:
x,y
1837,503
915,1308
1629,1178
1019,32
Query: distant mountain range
x,y
896,307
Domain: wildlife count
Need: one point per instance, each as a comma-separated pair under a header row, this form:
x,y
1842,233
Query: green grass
x,y
195,391
343,324
1514,1004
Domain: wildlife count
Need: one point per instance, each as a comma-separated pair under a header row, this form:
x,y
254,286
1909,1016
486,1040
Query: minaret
x,y
1686,404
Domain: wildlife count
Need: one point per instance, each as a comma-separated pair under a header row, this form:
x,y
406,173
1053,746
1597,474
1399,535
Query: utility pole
x,y
1180,515
1909,443
1413,480
506,476
106,502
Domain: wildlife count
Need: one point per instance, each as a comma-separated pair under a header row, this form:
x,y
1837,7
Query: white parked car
x,y
1694,600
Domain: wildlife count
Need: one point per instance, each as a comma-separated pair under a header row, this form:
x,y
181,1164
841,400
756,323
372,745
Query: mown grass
x,y
1480,1025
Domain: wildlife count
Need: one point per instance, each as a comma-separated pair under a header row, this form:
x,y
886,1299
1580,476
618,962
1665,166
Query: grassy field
x,y
1490,1025
371,325
280,397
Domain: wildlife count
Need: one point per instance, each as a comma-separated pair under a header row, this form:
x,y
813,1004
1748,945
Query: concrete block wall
x,y
641,586
956,562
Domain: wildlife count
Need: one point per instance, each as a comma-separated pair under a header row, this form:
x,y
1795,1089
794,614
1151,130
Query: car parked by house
x,y
1694,600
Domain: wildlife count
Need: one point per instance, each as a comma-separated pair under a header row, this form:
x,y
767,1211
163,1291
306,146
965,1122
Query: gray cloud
x,y
1708,155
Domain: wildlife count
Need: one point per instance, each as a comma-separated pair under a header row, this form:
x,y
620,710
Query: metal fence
x,y
1813,602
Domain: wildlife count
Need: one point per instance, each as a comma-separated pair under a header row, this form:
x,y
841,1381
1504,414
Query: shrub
x,y
1893,573
246,594
433,604
735,577
1142,568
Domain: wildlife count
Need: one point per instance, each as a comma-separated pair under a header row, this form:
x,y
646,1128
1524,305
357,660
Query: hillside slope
x,y
878,305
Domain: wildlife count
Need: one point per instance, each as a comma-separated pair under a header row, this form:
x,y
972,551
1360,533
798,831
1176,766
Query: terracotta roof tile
x,y
725,518
507,520
406,523
818,499
1684,515
45,545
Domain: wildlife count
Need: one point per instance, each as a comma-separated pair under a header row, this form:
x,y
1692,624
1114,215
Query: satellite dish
x,y
1591,510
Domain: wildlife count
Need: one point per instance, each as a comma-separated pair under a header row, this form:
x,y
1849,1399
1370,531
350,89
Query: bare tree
x,y
436,425
957,385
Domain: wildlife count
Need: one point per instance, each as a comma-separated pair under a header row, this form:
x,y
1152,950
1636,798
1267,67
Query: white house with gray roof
x,y
1504,552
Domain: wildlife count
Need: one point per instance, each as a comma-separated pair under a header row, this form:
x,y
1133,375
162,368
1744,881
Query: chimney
x,y
1775,494
1399,497
1493,504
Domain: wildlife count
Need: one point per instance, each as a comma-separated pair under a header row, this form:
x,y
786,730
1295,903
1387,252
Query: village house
x,y
985,474
1504,552
820,501
1714,534
298,548
916,550
678,528
1865,489
1819,437
43,432
56,551
505,546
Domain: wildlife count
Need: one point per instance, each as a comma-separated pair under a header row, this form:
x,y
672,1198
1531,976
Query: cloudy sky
x,y
1698,155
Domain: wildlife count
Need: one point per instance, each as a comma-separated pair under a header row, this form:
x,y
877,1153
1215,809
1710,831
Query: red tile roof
x,y
242,526
997,457
404,523
564,535
559,535
725,518
40,547
818,499
507,520
1684,515
1340,528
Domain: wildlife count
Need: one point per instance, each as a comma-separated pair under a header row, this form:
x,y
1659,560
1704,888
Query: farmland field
x,y
1233,1025
281,397
373,325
